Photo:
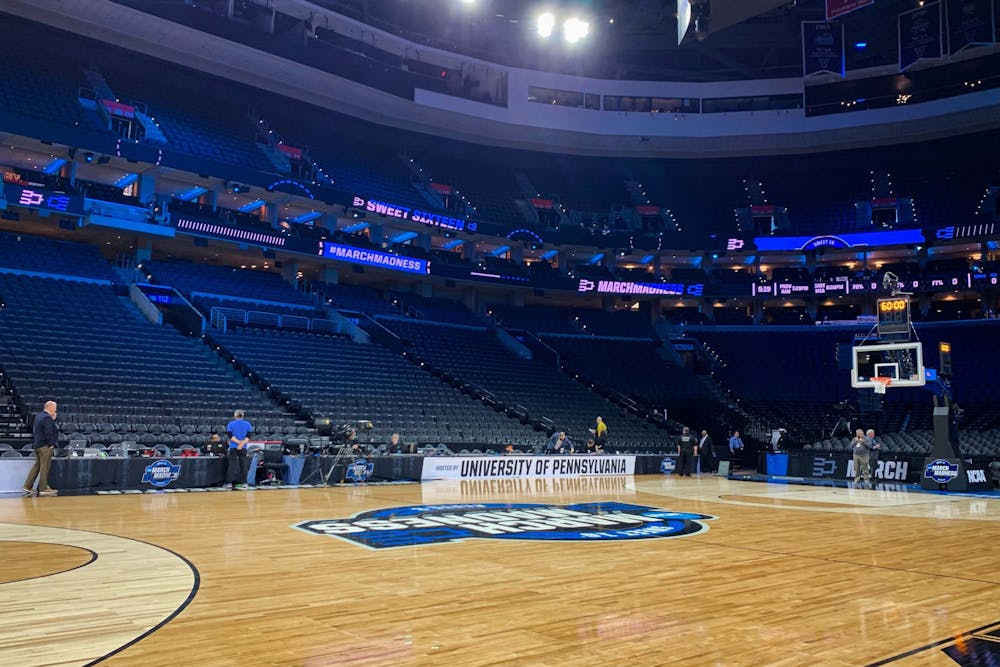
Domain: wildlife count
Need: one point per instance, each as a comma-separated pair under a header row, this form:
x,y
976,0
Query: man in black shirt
x,y
45,435
687,449
706,449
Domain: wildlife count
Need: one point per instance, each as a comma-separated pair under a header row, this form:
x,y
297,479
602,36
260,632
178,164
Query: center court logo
x,y
433,524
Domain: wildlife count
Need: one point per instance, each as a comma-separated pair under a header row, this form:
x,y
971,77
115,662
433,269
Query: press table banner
x,y
822,48
13,472
511,467
920,35
841,466
835,8
970,23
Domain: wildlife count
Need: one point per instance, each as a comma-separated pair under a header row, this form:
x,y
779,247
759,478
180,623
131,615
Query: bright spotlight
x,y
575,29
546,24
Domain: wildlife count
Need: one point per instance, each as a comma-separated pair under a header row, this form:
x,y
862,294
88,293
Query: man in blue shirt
x,y
239,430
44,437
736,449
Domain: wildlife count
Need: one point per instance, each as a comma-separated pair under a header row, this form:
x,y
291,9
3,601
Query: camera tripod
x,y
343,452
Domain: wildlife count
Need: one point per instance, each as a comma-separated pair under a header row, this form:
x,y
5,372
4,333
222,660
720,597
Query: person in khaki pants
x,y
45,435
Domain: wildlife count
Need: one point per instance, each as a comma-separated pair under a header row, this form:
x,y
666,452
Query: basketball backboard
x,y
902,362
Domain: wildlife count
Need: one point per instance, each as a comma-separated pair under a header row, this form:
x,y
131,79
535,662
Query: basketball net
x,y
881,384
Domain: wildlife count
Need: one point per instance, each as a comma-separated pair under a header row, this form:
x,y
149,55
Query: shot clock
x,y
894,317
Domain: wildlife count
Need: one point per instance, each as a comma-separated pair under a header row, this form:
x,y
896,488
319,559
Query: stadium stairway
x,y
14,431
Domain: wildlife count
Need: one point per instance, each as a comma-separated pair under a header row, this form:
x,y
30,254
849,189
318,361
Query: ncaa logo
x,y
976,476
667,465
160,473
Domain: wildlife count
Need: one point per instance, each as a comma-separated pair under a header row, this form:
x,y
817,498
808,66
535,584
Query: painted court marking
x,y
50,618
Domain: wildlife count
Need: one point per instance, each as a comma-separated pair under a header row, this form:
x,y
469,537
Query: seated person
x,y
559,444
354,447
395,445
215,446
594,447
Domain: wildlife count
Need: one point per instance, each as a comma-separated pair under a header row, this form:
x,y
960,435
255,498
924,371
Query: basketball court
x,y
750,574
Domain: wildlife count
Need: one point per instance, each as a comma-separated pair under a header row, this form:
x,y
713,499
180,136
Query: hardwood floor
x,y
784,575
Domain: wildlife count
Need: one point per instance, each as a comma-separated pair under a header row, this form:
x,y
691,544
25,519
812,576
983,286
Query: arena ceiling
x,y
635,39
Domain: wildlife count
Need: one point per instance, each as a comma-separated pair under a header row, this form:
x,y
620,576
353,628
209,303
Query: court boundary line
x,y
195,587
942,642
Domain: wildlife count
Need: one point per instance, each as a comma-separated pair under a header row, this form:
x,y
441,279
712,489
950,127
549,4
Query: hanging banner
x,y
835,8
518,467
920,35
291,151
822,48
970,23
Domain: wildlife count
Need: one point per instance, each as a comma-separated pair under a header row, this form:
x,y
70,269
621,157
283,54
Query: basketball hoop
x,y
881,384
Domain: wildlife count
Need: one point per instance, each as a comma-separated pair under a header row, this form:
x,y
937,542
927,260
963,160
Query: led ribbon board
x,y
416,215
382,260
39,198
833,241
620,287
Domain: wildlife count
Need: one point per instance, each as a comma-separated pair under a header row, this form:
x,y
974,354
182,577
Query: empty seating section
x,y
213,138
490,191
43,86
633,368
533,318
354,170
783,364
920,442
245,284
205,305
115,376
788,377
23,252
349,382
475,357
578,183
356,298
976,383
214,128
618,323
435,310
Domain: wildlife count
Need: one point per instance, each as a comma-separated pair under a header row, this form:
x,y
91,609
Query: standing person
x,y
44,436
736,449
239,430
780,440
707,449
687,449
600,432
860,445
874,447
